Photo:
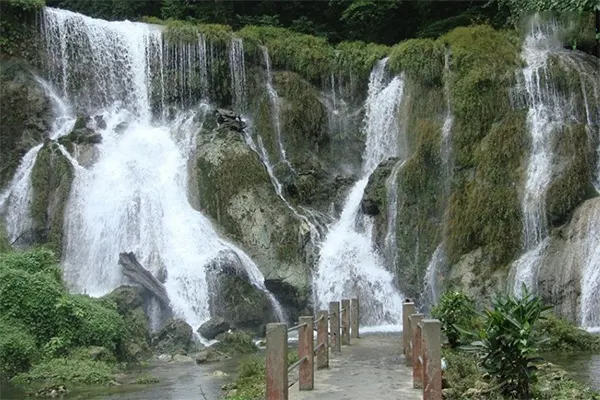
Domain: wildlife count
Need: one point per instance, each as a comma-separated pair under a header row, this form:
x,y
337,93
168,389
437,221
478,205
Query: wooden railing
x,y
422,351
334,328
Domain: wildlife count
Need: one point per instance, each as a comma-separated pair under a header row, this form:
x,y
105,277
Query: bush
x,y
564,336
508,343
455,308
38,260
146,379
17,349
61,370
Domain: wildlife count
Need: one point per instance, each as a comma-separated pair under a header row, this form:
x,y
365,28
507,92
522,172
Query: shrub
x,y
60,370
146,379
455,308
508,342
564,336
38,260
17,349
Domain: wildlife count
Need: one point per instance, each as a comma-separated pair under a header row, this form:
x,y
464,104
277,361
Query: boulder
x,y
175,336
210,355
180,358
100,122
214,326
137,273
127,298
375,194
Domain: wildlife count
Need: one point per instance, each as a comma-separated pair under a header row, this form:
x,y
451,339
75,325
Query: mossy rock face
x,y
25,114
235,190
572,184
239,303
374,198
175,337
129,302
51,178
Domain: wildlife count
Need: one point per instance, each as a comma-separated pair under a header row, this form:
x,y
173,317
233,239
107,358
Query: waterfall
x,y
550,114
545,116
431,291
446,146
134,198
237,68
390,243
349,265
275,107
15,199
589,252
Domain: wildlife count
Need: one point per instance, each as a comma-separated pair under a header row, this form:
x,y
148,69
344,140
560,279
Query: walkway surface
x,y
371,368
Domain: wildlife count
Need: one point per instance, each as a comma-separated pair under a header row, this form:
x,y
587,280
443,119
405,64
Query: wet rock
x,y
25,114
228,120
180,358
164,357
211,328
375,192
127,298
100,122
210,355
52,391
175,336
121,127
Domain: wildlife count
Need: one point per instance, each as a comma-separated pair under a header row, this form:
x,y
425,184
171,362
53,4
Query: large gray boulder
x,y
214,326
175,337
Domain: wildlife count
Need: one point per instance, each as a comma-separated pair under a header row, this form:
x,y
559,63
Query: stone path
x,y
372,368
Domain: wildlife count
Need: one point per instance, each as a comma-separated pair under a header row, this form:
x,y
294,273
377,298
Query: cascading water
x,y
549,116
431,287
134,198
348,264
390,243
237,66
275,107
589,253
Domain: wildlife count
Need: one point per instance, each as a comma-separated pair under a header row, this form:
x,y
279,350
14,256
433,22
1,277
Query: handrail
x,y
295,327
297,363
335,323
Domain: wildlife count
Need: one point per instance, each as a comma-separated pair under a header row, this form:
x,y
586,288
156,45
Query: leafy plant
x,y
565,336
455,309
61,370
508,344
17,349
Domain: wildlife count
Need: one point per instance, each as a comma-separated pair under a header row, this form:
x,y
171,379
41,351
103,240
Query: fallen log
x,y
137,273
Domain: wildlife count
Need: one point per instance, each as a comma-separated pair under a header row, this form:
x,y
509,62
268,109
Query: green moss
x,y
19,35
147,379
51,179
573,185
237,342
485,210
185,31
358,58
421,60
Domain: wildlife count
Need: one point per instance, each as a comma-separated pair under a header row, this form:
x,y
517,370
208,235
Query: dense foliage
x,y
42,322
508,344
455,310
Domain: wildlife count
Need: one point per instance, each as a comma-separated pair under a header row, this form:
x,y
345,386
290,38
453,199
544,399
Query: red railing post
x,y
334,326
354,316
306,350
276,362
345,322
417,359
323,339
432,359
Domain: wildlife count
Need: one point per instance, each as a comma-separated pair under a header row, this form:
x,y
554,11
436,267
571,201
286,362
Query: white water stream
x,y
349,265
134,198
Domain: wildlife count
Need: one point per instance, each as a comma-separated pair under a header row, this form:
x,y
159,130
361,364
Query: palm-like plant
x,y
507,343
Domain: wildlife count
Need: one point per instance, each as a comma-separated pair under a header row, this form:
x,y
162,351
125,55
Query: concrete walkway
x,y
371,368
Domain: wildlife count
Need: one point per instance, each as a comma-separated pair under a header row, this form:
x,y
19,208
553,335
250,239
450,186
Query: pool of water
x,y
584,367
178,381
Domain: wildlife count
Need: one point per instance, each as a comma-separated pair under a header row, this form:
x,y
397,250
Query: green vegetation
x,y
456,311
250,382
564,336
61,370
504,360
146,380
48,334
238,342
421,60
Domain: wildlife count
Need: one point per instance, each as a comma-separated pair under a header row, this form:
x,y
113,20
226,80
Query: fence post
x,y
323,337
417,359
432,359
306,379
334,326
408,309
276,362
354,316
345,322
